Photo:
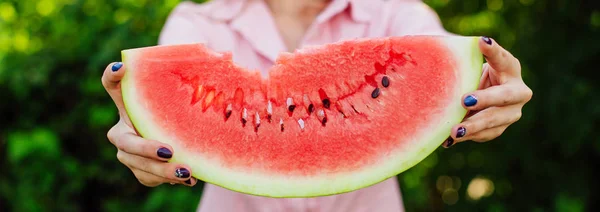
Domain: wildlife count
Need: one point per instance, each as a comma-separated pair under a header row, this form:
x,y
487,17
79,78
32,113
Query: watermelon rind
x,y
469,59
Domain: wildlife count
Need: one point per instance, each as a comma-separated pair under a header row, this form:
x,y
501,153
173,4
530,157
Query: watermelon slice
x,y
326,120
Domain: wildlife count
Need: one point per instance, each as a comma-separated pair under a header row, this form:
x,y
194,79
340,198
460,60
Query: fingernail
x,y
460,132
164,153
448,143
487,40
189,181
182,173
117,66
470,100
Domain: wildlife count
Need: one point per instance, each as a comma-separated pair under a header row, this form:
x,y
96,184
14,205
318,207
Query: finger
x,y
171,171
148,179
488,134
498,58
484,81
482,136
111,80
500,95
486,119
191,182
125,139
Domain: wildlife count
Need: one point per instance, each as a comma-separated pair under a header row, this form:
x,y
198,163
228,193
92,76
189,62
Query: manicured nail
x,y
448,143
470,101
460,132
117,66
182,173
189,181
164,153
487,40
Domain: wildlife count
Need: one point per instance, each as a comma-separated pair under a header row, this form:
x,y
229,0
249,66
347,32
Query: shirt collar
x,y
242,17
228,10
262,36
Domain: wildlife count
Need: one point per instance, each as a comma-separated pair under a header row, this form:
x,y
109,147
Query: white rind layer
x,y
470,61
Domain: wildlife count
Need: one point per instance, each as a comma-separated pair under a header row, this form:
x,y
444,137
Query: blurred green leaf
x,y
41,142
102,115
566,203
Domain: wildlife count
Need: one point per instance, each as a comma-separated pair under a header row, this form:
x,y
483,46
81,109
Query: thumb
x,y
111,80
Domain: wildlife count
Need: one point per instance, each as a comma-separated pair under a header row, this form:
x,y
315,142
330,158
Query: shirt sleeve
x,y
413,17
183,26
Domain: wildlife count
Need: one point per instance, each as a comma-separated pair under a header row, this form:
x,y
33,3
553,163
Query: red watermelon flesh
x,y
322,122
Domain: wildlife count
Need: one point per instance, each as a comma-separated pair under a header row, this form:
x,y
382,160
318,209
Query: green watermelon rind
x,y
468,57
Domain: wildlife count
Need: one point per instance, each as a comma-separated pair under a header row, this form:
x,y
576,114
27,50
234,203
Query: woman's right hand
x,y
147,159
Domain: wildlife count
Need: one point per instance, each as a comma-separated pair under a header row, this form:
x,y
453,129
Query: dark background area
x,y
54,112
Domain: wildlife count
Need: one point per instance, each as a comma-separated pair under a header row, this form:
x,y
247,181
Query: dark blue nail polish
x,y
460,132
448,143
182,173
470,101
117,66
164,153
189,182
487,40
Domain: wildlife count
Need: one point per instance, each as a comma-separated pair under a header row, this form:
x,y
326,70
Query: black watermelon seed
x,y
375,93
311,108
291,108
385,81
227,114
282,128
269,118
244,122
353,108
326,103
324,121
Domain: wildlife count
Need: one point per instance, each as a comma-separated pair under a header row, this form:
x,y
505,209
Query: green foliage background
x,y
54,113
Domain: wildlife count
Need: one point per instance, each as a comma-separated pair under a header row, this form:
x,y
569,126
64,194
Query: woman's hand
x,y
147,159
498,102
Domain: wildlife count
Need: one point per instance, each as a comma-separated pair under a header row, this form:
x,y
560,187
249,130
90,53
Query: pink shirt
x,y
247,29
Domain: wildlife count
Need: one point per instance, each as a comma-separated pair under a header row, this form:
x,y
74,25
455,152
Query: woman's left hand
x,y
499,100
